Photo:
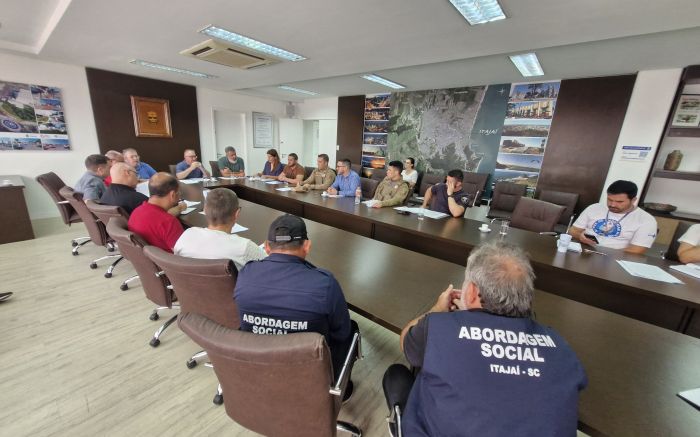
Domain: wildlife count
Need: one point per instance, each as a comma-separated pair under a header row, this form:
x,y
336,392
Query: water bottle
x,y
358,195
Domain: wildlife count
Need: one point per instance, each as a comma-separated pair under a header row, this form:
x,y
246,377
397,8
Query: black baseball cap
x,y
287,228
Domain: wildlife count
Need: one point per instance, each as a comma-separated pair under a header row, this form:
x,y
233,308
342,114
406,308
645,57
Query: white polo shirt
x,y
205,243
617,231
691,236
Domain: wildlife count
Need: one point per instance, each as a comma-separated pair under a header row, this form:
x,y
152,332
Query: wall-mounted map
x,y
31,118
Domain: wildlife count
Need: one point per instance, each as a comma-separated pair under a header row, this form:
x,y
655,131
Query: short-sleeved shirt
x,y
691,236
206,243
144,171
194,174
124,196
267,171
410,178
236,166
292,171
283,294
617,231
391,193
320,179
439,201
156,226
484,374
346,185
91,186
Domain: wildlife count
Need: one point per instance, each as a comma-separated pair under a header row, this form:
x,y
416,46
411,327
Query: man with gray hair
x,y
216,240
113,157
486,366
231,164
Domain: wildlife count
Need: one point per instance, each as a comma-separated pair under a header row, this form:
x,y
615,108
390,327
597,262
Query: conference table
x,y
635,369
589,278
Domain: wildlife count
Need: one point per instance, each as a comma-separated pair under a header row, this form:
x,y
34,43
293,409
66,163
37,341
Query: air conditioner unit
x,y
231,56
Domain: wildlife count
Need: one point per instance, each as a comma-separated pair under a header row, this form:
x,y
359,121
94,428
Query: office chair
x,y
357,168
192,192
426,181
173,169
567,200
308,171
378,174
672,252
536,215
52,184
276,385
154,282
474,185
215,170
505,197
368,187
397,383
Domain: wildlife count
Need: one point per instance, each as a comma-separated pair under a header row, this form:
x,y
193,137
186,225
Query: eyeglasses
x,y
191,156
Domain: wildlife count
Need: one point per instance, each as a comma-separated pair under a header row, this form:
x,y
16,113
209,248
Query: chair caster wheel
x,y
123,287
191,364
154,342
73,243
218,399
108,275
93,266
110,249
75,254
154,316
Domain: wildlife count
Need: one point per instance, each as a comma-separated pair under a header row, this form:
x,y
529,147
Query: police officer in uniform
x,y
393,190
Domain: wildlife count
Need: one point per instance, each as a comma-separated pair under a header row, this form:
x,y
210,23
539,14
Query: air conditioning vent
x,y
224,54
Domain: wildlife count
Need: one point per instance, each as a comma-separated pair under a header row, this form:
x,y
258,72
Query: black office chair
x,y
369,187
215,170
505,197
672,252
474,184
567,200
308,171
378,174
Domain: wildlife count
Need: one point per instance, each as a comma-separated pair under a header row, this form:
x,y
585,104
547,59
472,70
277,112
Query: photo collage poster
x,y
376,129
31,118
523,141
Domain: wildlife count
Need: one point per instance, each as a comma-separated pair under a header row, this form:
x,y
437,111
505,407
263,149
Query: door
x,y
291,138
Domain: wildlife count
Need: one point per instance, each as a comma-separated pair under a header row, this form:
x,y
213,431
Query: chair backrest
x,y
506,196
96,229
106,212
672,253
52,184
369,186
357,168
131,247
428,180
173,169
192,192
378,174
202,286
474,184
215,170
276,385
536,215
567,200
308,171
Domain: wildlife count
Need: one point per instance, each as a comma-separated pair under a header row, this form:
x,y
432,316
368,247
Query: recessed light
x,y
297,90
382,81
479,11
170,69
527,64
241,40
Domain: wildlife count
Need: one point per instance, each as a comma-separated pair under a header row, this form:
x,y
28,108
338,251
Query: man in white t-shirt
x,y
216,240
689,250
619,224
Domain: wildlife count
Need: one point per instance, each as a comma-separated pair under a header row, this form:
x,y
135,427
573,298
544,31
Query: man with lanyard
x,y
620,224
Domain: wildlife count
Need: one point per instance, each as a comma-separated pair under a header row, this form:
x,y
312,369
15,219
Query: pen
x,y
593,251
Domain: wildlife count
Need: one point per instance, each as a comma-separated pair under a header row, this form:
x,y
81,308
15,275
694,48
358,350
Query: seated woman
x,y
409,173
273,167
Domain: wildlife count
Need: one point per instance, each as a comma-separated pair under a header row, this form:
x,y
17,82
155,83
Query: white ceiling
x,y
419,43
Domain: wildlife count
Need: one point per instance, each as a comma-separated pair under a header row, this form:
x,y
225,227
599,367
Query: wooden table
x,y
15,224
634,369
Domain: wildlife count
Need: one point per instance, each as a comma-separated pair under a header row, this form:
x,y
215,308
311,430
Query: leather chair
x,y
172,168
567,200
215,170
536,215
672,253
505,197
96,229
378,174
192,192
357,168
425,182
369,187
276,385
155,284
52,184
474,184
308,171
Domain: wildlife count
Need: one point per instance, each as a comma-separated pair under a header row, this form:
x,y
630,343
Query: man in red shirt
x,y
155,220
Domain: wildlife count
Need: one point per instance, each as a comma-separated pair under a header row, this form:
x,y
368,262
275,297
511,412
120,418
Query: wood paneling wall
x,y
351,115
111,107
584,132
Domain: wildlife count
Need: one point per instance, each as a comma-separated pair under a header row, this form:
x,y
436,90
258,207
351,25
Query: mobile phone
x,y
403,212
592,237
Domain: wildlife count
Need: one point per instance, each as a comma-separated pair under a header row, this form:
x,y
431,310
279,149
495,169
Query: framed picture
x,y
687,112
151,117
262,130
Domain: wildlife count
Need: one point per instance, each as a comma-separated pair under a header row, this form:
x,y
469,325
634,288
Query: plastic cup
x,y
505,225
563,243
420,214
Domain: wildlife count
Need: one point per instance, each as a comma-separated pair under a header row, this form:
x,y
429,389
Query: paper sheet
x,y
190,203
191,181
143,189
274,182
238,228
426,212
187,211
575,246
330,195
284,189
370,203
688,269
649,272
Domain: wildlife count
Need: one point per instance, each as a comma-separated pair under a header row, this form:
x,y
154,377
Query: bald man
x,y
190,168
122,192
113,157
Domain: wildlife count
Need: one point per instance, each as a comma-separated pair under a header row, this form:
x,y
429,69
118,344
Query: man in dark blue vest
x,y
486,367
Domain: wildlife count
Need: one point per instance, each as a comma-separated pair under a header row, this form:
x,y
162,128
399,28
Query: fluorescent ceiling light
x,y
382,81
297,90
527,64
170,69
479,11
244,41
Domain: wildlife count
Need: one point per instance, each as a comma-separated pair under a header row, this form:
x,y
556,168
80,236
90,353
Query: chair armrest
x,y
337,390
62,202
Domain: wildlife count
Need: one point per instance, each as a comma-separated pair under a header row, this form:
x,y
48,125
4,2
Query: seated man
x,y
619,224
293,172
190,168
231,164
122,192
113,157
284,293
91,183
393,190
347,181
487,368
216,240
144,171
321,178
448,198
154,220
689,250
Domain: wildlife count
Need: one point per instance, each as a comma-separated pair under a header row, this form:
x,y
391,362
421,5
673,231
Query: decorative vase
x,y
673,160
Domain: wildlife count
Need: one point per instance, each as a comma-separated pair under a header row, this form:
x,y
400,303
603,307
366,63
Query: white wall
x,y
318,109
69,165
327,138
644,124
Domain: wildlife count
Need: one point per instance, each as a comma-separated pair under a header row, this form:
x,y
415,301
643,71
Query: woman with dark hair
x,y
273,166
409,173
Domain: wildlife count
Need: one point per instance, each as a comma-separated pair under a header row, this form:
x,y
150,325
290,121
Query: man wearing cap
x,y
284,293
